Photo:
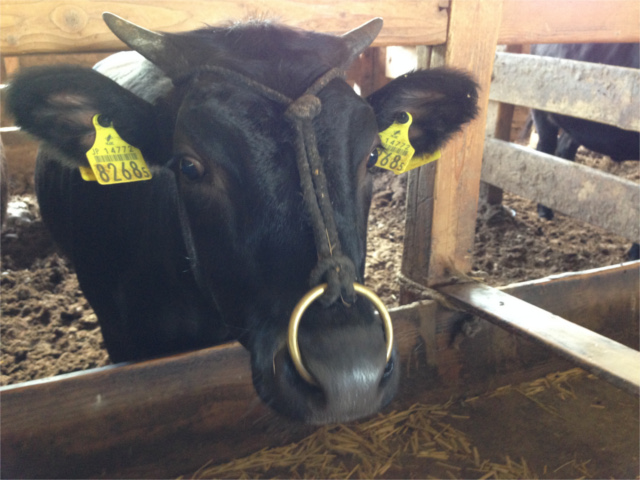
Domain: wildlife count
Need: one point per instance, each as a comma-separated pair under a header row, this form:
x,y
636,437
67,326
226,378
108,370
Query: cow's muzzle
x,y
308,299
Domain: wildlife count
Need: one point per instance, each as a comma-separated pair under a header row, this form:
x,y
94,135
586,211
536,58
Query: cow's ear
x,y
440,101
57,105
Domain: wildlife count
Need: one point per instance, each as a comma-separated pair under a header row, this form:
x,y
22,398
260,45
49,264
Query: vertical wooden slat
x,y
458,171
417,236
441,207
10,65
369,71
502,131
419,209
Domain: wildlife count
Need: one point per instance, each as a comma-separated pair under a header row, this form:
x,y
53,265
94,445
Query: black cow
x,y
219,244
4,186
612,141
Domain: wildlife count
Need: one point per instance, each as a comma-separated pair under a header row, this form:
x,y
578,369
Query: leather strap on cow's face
x,y
333,267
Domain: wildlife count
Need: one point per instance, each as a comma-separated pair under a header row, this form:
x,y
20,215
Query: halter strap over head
x,y
333,267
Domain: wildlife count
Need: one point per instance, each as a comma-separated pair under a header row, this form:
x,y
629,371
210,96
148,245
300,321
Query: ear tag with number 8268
x,y
112,159
397,154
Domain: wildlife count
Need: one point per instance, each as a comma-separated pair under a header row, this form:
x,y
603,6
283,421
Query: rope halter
x,y
334,276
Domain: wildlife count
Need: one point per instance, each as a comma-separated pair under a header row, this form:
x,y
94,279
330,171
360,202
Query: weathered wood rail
x,y
602,93
594,92
138,420
51,26
583,193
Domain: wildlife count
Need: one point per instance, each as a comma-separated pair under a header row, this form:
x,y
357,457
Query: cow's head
x,y
233,153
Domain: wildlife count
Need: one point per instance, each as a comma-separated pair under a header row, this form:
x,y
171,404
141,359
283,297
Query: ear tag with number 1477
x,y
397,154
112,159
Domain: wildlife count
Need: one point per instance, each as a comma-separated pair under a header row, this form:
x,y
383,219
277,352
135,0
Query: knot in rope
x,y
306,107
339,273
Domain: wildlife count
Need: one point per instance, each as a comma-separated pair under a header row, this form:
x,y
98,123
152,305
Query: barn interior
x,y
494,397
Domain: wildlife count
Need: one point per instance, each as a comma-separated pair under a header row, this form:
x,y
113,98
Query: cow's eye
x,y
373,157
191,168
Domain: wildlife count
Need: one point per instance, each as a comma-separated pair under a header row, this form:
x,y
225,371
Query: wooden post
x,y
419,207
457,179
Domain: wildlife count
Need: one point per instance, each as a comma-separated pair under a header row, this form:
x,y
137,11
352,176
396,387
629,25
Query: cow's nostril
x,y
283,366
388,369
387,374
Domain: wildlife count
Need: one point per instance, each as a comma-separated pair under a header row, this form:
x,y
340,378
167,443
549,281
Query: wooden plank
x,y
418,225
575,296
76,25
583,193
51,26
9,67
168,417
569,21
610,360
439,358
368,71
103,416
458,171
20,151
419,207
602,93
501,130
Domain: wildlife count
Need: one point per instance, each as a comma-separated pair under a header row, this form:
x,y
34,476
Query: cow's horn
x,y
154,46
360,38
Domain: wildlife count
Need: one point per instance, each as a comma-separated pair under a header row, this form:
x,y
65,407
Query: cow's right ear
x,y
57,105
440,100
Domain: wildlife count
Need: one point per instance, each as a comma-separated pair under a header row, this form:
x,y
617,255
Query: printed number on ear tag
x,y
397,154
112,159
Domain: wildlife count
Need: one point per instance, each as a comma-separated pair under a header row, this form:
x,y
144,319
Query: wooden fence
x,y
91,423
601,93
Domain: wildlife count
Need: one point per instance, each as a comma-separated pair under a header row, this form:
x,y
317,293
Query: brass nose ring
x,y
308,299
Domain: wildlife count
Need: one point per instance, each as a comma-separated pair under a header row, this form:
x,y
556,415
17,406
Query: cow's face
x,y
233,155
254,240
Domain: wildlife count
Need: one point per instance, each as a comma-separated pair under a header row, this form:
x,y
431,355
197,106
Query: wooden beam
x,y
569,21
569,87
583,193
418,224
168,417
10,66
419,206
20,151
500,129
368,71
77,26
458,170
609,360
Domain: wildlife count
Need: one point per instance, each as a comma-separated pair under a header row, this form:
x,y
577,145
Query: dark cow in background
x,y
219,245
606,139
4,186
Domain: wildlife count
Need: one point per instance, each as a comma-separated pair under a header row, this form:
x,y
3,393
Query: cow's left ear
x,y
440,101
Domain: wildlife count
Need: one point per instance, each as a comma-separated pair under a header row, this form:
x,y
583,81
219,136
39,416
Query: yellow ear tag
x,y
113,160
87,174
396,153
